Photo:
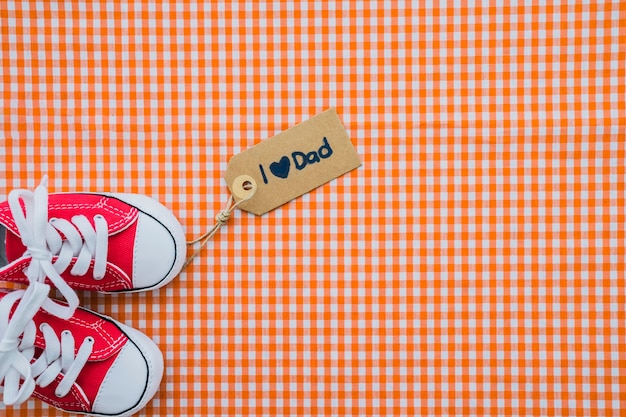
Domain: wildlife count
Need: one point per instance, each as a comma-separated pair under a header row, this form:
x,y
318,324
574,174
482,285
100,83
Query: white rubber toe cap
x,y
155,253
133,379
160,243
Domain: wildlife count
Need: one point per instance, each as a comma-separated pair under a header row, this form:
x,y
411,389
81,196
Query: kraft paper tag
x,y
291,163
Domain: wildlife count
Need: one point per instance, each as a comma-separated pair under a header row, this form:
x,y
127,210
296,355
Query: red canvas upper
x,y
122,226
108,342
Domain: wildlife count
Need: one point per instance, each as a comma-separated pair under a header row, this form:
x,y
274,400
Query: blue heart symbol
x,y
281,168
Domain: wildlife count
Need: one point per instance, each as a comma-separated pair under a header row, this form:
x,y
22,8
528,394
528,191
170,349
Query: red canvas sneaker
x,y
86,363
90,241
72,358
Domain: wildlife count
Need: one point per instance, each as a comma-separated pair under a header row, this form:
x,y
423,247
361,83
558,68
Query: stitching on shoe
x,y
119,279
5,217
125,216
63,404
113,343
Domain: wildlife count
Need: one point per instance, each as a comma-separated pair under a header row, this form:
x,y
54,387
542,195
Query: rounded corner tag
x,y
292,163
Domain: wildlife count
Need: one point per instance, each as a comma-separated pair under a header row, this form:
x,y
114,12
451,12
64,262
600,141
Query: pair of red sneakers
x,y
72,358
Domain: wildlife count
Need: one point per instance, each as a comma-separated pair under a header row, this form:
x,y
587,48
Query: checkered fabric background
x,y
474,265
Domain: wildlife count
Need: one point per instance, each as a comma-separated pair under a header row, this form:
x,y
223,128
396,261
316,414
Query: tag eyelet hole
x,y
244,187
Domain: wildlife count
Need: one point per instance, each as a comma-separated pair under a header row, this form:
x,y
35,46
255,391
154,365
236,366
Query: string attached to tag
x,y
243,190
284,167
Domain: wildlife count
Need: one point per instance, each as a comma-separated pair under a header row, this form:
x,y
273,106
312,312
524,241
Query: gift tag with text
x,y
291,163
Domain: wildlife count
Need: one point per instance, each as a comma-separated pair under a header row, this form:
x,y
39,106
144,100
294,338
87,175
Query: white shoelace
x,y
43,241
81,241
19,373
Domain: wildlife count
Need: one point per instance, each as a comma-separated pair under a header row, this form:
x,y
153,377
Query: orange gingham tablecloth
x,y
475,263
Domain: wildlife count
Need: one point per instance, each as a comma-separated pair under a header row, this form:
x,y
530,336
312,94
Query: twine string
x,y
221,218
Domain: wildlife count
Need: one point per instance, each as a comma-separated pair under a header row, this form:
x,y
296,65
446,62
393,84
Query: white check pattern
x,y
474,265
